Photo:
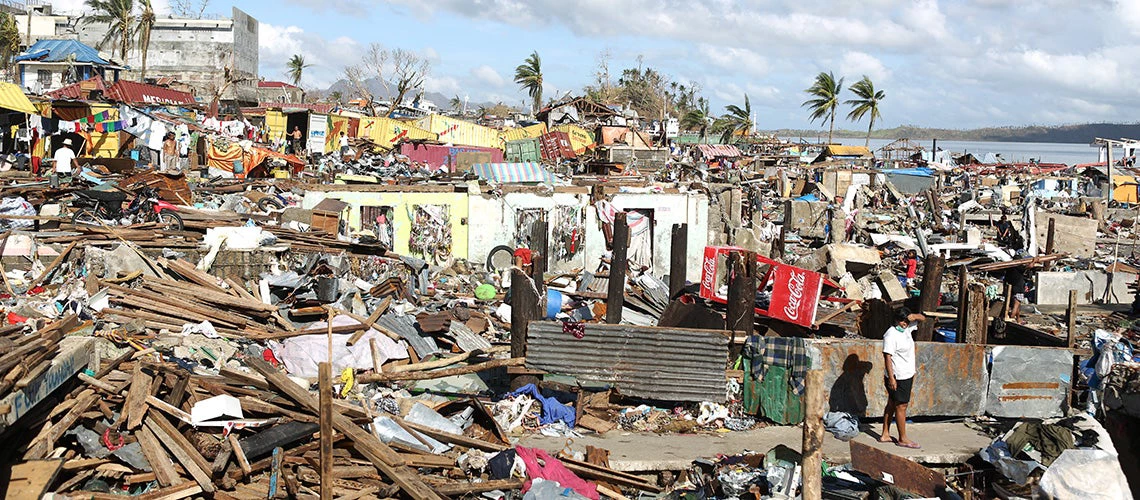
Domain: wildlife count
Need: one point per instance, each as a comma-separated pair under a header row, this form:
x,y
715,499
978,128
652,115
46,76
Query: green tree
x,y
737,120
296,68
9,40
866,101
824,99
336,96
698,119
456,103
145,26
119,16
529,76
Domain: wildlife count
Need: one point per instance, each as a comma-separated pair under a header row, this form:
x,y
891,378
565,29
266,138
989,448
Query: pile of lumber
x,y
23,358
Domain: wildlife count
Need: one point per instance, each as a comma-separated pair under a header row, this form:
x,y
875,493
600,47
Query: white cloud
x,y
855,64
487,75
277,44
734,58
445,85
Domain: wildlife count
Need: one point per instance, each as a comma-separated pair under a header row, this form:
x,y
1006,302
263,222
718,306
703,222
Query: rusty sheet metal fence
x,y
669,364
952,378
1029,382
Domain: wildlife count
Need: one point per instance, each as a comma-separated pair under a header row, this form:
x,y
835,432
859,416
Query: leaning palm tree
x,y
296,68
529,76
146,25
737,120
867,101
825,98
9,40
697,119
456,103
119,16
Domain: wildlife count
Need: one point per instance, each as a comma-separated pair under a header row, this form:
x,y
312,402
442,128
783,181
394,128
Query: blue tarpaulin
x,y
918,172
552,410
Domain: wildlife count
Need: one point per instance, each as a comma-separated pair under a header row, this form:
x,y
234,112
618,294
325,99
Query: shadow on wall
x,y
848,394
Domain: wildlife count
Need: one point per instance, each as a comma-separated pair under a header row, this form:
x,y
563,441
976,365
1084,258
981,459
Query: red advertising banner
x,y
795,291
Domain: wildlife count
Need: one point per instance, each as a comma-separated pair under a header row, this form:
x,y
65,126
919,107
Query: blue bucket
x,y
553,303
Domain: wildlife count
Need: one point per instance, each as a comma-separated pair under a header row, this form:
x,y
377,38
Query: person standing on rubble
x,y
900,368
295,140
911,261
343,143
1004,230
63,160
169,154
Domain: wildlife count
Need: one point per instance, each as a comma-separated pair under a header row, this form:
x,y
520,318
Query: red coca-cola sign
x,y
795,291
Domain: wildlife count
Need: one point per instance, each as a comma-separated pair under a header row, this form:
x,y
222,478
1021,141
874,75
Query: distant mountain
x,y
1077,134
376,87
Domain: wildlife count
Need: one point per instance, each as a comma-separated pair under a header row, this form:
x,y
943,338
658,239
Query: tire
x,y
269,203
170,220
495,258
85,217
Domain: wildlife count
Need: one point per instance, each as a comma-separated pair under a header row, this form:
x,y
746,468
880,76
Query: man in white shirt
x,y
64,159
898,357
343,143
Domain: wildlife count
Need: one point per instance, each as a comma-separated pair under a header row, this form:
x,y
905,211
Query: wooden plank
x,y
42,444
30,480
325,415
159,461
908,475
459,489
135,408
813,435
368,378
382,456
615,293
54,264
183,451
239,454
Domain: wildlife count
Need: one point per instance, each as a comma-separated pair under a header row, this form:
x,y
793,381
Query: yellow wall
x,y
384,131
276,122
105,144
1124,189
337,124
529,132
580,138
402,206
460,132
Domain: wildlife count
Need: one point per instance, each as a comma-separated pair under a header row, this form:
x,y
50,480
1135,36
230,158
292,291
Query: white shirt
x,y
899,343
344,141
63,157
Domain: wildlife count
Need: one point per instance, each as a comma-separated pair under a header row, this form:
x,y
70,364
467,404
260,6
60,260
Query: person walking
x,y
900,368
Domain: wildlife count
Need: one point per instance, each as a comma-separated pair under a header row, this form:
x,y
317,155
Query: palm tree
x,y
736,120
697,118
146,24
529,76
9,40
825,98
456,103
867,101
119,16
296,68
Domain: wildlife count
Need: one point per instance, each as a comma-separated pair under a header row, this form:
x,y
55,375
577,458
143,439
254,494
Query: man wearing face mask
x,y
900,368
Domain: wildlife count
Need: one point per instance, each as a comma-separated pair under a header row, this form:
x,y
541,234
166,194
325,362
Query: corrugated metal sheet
x,y
528,132
951,378
141,93
386,132
405,327
668,364
523,150
556,146
445,157
466,338
719,150
460,132
59,50
580,138
505,173
1029,382
11,97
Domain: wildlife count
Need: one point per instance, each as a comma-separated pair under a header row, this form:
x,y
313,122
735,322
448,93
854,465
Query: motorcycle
x,y
105,208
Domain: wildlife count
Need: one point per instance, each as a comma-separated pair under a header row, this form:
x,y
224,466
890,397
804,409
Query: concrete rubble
x,y
418,317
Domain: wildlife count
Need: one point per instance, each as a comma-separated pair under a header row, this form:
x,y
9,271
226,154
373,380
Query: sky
x,y
949,64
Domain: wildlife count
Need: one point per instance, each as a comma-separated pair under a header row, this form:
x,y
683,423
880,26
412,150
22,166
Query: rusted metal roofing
x,y
668,364
79,90
434,323
141,93
275,85
405,327
719,150
320,108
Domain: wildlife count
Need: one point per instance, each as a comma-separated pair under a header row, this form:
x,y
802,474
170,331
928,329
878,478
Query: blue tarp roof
x,y
58,50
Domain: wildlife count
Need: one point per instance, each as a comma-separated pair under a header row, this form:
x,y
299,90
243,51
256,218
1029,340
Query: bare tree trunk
x,y
396,102
869,127
831,129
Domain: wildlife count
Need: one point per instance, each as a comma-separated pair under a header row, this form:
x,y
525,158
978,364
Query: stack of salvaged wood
x,y
24,357
183,294
287,442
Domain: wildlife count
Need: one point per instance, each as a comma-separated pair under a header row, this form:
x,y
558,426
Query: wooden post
x,y
540,256
678,261
780,249
976,313
524,309
1049,237
933,267
741,292
963,303
537,262
615,297
813,436
326,415
1071,318
1008,295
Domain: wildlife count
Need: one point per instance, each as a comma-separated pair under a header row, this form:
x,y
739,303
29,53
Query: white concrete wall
x,y
494,222
668,209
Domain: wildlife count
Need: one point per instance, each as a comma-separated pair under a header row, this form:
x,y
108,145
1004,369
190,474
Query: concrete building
x,y
195,52
279,92
51,64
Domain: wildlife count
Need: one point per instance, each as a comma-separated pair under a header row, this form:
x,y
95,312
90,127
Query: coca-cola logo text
x,y
795,295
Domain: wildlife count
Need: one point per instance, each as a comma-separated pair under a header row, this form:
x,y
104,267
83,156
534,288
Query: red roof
x,y
75,90
141,93
274,85
321,108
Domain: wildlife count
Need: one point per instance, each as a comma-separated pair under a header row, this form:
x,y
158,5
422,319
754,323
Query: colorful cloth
x,y
553,471
788,352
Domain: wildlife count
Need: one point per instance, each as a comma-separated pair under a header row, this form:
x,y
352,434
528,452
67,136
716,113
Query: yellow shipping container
x,y
386,132
581,139
276,122
528,132
337,124
459,132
